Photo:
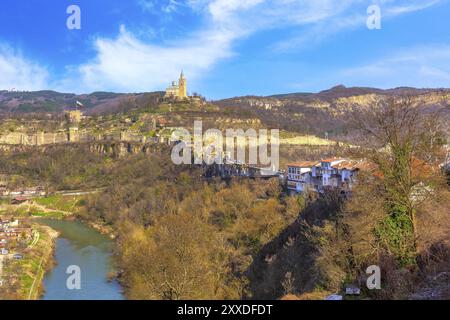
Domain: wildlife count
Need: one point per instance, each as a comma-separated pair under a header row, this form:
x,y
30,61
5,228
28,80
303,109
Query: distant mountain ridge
x,y
324,114
48,101
340,91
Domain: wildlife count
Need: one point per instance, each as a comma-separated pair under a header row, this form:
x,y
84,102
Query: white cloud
x,y
352,15
17,72
166,6
147,5
411,6
129,63
126,63
320,32
424,66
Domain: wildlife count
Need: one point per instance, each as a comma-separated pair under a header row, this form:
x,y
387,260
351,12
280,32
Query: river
x,y
81,246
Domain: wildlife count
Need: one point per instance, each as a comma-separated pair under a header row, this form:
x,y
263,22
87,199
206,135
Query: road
x,y
79,193
61,193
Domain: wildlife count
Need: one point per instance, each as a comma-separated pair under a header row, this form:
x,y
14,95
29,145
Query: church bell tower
x,y
182,86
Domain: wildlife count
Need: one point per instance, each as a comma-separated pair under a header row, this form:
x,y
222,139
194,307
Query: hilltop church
x,y
178,90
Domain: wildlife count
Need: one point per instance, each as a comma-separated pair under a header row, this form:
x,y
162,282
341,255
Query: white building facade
x,y
318,176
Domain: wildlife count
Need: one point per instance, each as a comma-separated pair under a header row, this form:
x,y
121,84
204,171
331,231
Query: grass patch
x,y
58,202
50,215
306,140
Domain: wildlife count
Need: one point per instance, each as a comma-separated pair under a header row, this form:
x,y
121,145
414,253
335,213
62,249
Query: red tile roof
x,y
367,166
20,199
332,160
303,164
347,164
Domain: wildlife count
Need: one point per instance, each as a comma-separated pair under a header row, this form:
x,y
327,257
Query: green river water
x,y
81,246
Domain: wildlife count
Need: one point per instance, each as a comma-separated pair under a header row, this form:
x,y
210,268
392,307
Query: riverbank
x,y
58,207
84,247
100,228
22,278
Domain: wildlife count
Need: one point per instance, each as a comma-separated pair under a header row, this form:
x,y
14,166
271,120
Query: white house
x,y
347,171
329,173
325,174
299,175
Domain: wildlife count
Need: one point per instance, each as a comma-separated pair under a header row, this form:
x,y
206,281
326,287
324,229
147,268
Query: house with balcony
x,y
327,174
299,176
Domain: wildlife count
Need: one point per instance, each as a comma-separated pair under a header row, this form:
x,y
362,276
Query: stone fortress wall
x,y
36,139
72,135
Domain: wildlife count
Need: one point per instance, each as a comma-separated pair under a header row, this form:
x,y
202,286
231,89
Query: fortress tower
x,y
74,116
73,134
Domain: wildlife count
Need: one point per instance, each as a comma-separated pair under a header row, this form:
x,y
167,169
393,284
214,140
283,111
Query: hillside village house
x,y
10,232
17,233
6,223
318,176
299,176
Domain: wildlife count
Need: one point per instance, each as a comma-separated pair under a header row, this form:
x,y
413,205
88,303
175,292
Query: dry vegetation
x,y
180,237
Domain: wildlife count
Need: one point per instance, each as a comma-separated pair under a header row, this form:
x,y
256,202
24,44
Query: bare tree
x,y
405,140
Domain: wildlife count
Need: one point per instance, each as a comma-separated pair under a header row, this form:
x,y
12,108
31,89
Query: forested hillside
x,y
321,114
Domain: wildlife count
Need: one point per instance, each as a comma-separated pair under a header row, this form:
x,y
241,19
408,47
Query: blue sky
x,y
226,47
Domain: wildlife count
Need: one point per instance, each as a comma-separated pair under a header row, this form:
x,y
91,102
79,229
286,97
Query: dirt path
x,y
32,204
47,210
36,235
33,293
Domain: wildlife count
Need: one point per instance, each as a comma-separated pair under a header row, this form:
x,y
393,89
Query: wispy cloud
x,y
20,73
127,63
130,62
167,6
422,66
411,6
352,16
147,5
